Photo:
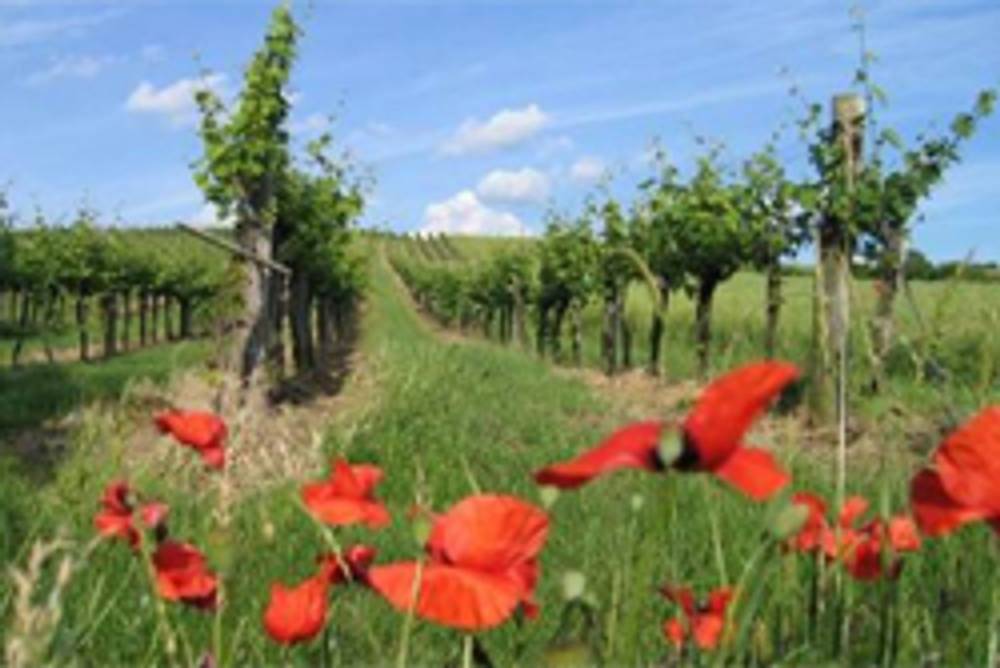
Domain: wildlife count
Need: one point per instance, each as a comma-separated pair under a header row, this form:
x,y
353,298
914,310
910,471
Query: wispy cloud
x,y
71,67
29,31
715,96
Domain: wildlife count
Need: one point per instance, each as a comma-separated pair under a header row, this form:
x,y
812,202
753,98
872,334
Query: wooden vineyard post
x,y
254,345
831,305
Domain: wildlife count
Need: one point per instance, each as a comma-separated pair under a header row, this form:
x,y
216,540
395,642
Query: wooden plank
x,y
234,249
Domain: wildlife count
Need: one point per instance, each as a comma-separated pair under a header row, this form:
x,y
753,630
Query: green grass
x,y
448,418
34,393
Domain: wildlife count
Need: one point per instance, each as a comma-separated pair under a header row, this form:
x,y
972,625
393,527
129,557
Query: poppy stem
x,y
404,642
467,651
169,639
991,648
737,627
713,519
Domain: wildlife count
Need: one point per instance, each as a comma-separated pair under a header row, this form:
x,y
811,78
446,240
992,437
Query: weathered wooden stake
x,y
831,308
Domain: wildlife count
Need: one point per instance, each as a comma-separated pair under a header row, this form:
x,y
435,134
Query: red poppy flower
x,y
862,549
482,562
963,485
298,613
812,534
115,517
182,575
703,623
200,430
347,497
352,566
711,437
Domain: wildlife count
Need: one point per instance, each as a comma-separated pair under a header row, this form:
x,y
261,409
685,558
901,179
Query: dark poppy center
x,y
688,460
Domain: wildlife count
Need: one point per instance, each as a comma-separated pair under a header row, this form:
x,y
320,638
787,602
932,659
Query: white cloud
x,y
588,169
521,186
71,67
505,128
463,213
208,216
174,102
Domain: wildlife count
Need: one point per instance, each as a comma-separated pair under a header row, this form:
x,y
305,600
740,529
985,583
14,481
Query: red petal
x,y
115,498
214,458
346,498
296,614
682,596
455,597
719,600
853,509
754,472
340,511
968,462
112,525
633,446
864,559
810,537
903,534
199,429
181,574
491,532
726,409
673,631
935,511
154,514
707,630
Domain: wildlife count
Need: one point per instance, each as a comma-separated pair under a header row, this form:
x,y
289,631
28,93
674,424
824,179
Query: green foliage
x,y
569,262
318,210
767,202
246,150
707,226
880,202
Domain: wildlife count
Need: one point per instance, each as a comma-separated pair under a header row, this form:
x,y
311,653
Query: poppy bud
x,y
573,584
568,655
637,502
421,530
670,448
789,521
548,494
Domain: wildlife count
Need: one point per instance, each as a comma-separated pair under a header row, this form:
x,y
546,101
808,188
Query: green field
x,y
446,418
943,355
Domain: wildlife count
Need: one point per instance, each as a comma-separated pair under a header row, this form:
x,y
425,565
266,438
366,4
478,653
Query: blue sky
x,y
478,115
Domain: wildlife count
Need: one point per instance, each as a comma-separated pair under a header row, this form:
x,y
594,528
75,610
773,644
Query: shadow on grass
x,y
35,396
328,379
